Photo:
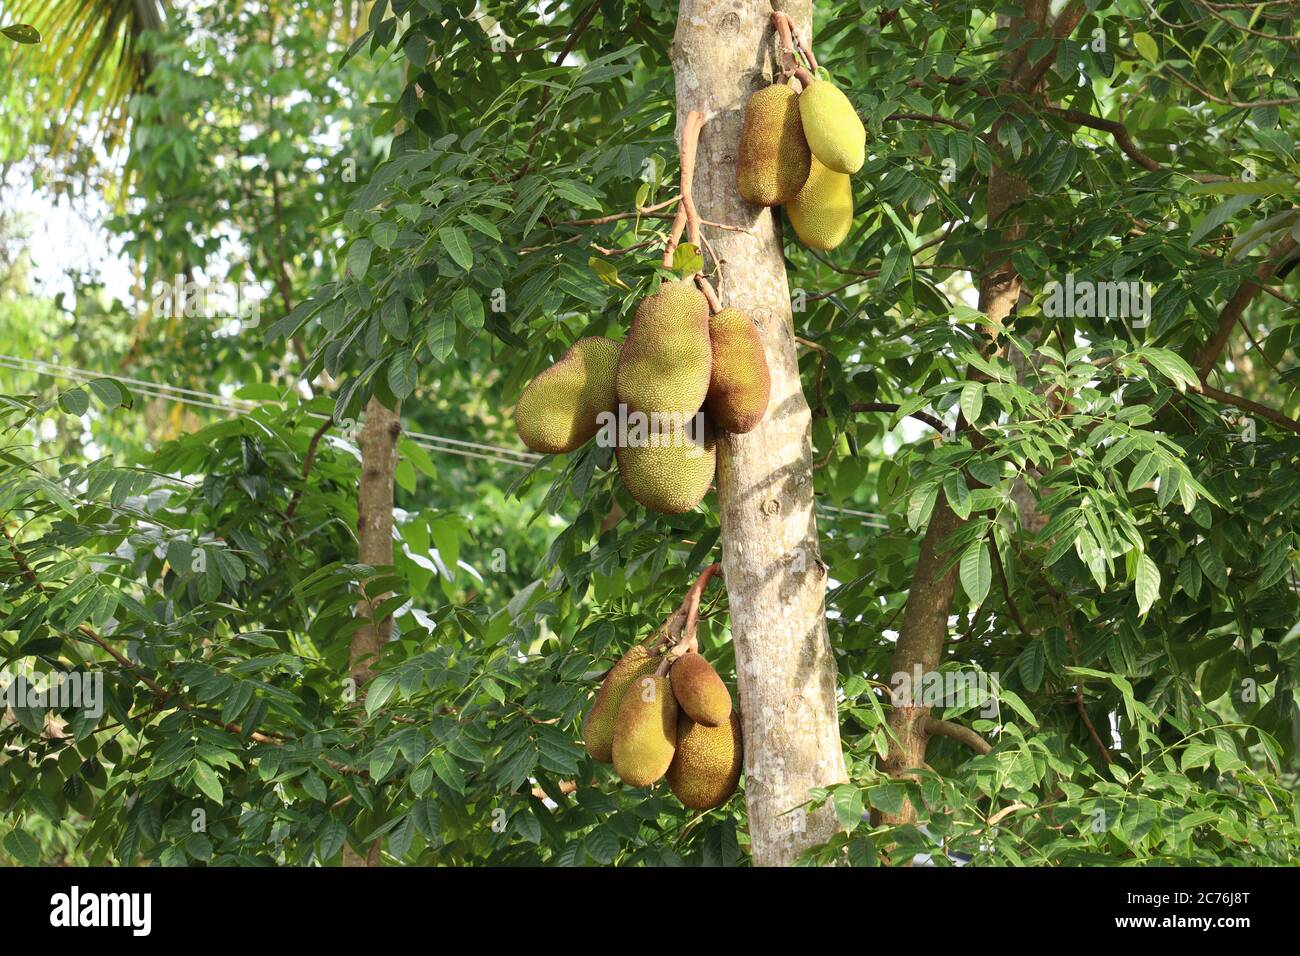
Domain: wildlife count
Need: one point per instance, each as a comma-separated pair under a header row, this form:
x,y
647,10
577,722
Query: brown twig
x,y
1116,129
1246,292
1237,104
935,727
1006,587
306,466
687,215
1063,615
1255,408
789,66
930,118
714,305
926,417
579,29
822,355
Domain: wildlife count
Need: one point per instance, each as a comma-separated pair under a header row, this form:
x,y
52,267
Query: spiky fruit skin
x,y
598,727
665,362
834,132
557,411
740,385
699,690
774,153
673,476
706,765
822,213
645,734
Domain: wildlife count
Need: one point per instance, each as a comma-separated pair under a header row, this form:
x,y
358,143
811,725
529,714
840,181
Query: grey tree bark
x,y
724,50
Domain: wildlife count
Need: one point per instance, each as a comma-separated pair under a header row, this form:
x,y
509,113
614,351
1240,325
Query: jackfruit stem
x,y
789,65
707,290
687,215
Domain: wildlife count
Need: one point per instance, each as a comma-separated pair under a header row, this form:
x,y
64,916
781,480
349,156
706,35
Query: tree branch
x,y
1246,292
946,728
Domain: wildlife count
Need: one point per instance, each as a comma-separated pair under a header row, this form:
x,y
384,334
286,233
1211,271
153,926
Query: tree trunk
x,y
929,598
723,51
379,434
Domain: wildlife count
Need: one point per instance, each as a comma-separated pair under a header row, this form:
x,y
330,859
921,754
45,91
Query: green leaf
x,y
381,688
359,258
74,401
606,272
1148,583
468,308
384,234
976,570
972,401
206,779
22,33
687,259
402,375
1012,700
457,246
1172,366
332,838
22,848
1147,47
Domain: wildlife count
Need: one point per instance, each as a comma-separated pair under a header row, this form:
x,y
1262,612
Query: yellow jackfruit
x,y
835,134
740,384
706,765
598,727
669,471
774,154
822,213
664,364
557,411
699,690
645,734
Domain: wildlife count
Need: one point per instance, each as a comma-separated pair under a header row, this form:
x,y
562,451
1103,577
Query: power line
x,y
226,404
229,404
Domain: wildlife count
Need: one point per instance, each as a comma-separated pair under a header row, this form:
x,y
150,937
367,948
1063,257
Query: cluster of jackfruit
x,y
798,150
677,724
676,361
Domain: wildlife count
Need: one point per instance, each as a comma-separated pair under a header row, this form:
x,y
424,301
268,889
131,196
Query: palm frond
x,y
91,62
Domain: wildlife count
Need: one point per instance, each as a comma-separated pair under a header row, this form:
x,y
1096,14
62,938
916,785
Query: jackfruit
x,y
831,125
774,153
669,471
699,690
706,765
645,734
664,364
740,384
822,213
598,727
557,411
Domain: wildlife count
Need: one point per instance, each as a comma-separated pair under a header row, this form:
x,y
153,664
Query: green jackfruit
x,y
598,727
557,411
774,154
706,765
645,734
740,384
822,213
699,690
835,134
664,364
669,471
